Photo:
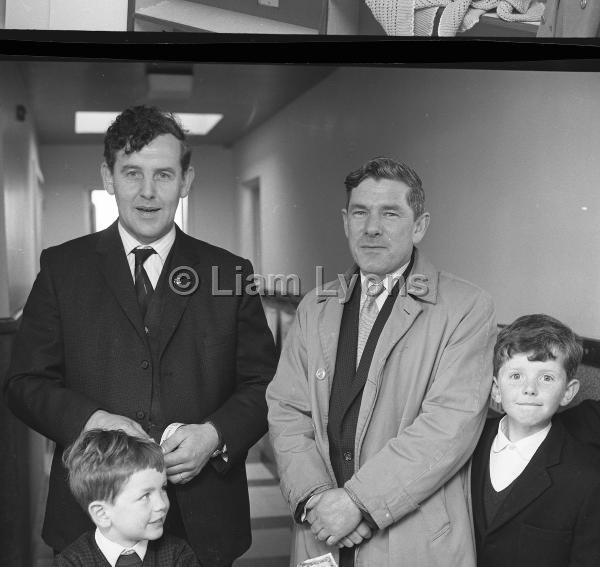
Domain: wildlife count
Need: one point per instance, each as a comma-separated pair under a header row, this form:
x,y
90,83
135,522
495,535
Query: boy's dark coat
x,y
551,516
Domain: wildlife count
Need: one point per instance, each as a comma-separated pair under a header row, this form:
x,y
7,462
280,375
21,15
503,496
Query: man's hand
x,y
334,516
188,450
101,419
360,534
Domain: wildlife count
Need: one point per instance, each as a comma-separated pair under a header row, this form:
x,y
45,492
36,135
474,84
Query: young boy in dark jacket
x,y
536,493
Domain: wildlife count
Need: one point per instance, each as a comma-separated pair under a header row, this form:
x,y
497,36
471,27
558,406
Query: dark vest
x,y
492,500
154,421
349,381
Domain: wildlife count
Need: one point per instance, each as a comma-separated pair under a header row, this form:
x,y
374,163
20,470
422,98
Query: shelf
x,y
197,17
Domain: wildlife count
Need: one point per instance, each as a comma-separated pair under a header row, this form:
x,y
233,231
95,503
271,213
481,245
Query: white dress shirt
x,y
112,550
388,283
508,459
154,264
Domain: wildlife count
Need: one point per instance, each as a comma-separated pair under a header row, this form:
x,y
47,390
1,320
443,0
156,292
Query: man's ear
x,y
570,392
495,391
345,219
100,513
107,178
186,184
420,227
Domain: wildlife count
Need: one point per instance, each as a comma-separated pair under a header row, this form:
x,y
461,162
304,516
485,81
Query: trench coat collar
x,y
422,287
422,283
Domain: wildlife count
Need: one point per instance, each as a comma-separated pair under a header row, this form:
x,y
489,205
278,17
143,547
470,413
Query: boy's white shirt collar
x,y
508,459
526,447
112,550
388,283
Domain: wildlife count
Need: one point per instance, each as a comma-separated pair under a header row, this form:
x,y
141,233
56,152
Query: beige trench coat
x,y
423,408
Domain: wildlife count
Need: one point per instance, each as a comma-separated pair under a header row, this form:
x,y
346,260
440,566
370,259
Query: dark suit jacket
x,y
551,516
168,551
583,422
82,347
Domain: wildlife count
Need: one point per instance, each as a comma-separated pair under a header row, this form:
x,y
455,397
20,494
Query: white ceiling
x,y
246,94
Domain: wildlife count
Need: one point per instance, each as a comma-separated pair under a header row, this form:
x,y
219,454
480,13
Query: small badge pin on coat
x,y
184,280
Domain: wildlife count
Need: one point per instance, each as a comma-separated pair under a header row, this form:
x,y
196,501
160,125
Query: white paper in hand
x,y
321,561
172,428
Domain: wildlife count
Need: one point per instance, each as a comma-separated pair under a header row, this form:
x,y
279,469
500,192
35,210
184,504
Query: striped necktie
x,y
368,315
143,286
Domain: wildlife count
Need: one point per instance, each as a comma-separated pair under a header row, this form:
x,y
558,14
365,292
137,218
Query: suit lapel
x,y
115,269
533,481
183,255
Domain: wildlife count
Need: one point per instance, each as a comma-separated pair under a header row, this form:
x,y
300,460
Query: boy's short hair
x,y
543,338
101,461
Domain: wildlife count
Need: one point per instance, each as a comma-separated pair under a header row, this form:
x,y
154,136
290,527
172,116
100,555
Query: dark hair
x,y
101,461
541,337
136,127
386,168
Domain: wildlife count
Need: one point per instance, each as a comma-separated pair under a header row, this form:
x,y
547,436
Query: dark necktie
x,y
143,287
129,560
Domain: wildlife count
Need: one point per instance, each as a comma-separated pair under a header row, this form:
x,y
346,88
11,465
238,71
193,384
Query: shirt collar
x,y
112,550
525,447
162,246
388,281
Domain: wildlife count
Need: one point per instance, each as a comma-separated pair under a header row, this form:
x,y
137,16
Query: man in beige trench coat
x,y
381,392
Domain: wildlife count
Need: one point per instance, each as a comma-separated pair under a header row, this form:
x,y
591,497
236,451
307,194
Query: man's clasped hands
x,y
335,519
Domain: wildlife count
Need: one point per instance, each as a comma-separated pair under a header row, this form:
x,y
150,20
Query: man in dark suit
x,y
123,330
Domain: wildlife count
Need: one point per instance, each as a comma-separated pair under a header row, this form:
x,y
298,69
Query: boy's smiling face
x,y
139,510
531,392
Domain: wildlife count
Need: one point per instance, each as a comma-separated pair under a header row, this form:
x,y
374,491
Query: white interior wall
x,y
70,174
212,200
507,159
18,191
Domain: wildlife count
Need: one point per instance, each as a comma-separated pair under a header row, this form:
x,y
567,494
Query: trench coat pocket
x,y
539,546
435,515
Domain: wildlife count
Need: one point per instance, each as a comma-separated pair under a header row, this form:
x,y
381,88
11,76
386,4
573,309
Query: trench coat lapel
x,y
332,299
406,309
115,269
533,481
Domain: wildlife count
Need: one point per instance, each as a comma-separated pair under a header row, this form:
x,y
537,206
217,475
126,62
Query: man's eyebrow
x,y
386,206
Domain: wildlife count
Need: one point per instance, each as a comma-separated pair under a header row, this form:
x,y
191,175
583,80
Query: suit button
x,y
139,414
145,364
347,455
320,373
